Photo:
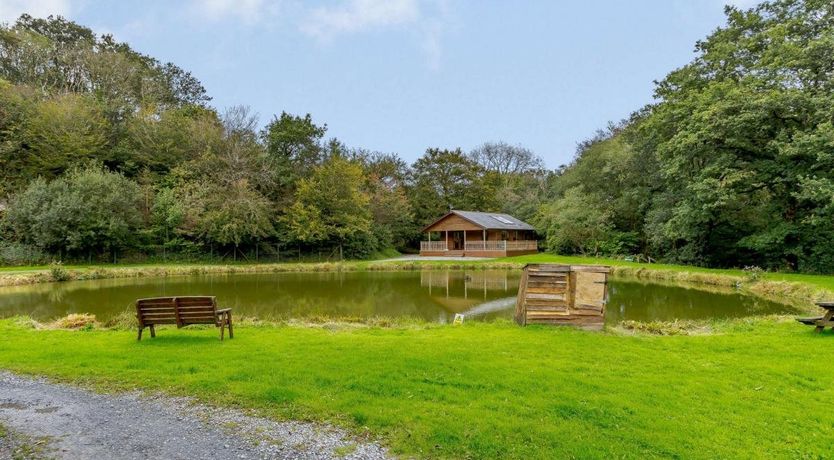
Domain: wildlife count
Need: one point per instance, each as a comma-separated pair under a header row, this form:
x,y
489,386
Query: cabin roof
x,y
487,220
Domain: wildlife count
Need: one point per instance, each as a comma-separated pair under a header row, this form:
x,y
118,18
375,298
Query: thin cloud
x,y
10,10
359,15
742,4
426,17
248,11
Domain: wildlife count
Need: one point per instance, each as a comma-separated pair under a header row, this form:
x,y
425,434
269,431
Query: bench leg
x,y
222,326
822,322
139,337
229,319
153,331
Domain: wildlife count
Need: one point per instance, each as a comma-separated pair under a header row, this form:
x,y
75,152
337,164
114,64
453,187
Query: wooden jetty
x,y
572,295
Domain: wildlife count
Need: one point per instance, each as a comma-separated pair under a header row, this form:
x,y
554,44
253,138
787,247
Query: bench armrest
x,y
224,310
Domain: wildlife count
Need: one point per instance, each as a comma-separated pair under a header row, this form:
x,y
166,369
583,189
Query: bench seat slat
x,y
186,317
152,303
160,321
156,310
148,319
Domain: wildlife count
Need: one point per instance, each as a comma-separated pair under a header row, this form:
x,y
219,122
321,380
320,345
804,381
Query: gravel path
x,y
80,424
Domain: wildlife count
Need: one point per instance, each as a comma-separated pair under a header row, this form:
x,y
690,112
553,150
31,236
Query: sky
x,y
402,76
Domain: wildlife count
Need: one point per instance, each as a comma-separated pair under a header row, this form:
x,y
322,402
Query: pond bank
x,y
799,289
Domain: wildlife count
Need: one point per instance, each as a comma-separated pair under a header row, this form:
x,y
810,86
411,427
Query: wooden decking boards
x,y
563,295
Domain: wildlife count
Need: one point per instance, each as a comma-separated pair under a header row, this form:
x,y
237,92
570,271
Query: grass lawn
x,y
757,388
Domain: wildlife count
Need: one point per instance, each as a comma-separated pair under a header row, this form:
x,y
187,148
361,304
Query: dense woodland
x,y
108,153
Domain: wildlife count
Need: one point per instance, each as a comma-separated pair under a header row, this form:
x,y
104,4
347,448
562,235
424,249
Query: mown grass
x,y
755,388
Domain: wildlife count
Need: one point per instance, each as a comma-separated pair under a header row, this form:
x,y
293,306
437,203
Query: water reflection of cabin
x,y
478,234
458,292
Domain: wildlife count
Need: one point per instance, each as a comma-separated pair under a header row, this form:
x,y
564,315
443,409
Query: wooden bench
x,y
821,322
182,311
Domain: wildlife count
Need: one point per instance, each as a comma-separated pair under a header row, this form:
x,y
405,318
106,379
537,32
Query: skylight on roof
x,y
503,219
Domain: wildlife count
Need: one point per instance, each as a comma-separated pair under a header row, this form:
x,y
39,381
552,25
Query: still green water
x,y
429,295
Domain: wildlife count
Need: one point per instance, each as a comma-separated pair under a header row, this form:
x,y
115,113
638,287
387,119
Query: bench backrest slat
x,y
181,311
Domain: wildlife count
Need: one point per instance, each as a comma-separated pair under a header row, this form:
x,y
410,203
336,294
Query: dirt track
x,y
74,423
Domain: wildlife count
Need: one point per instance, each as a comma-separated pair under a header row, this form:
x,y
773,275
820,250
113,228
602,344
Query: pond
x,y
429,295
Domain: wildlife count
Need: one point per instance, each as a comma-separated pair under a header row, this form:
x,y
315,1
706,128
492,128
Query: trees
x,y
159,142
46,136
504,159
577,222
292,149
231,215
443,178
732,133
222,203
331,206
600,201
68,96
63,131
515,173
393,218
732,165
88,210
59,56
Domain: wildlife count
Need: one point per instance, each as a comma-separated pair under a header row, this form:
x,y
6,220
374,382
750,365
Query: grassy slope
x,y
485,390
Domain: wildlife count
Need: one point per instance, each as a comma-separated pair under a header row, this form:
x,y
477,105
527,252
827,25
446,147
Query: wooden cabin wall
x,y
451,223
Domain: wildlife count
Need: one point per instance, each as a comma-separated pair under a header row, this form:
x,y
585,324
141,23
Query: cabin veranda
x,y
478,234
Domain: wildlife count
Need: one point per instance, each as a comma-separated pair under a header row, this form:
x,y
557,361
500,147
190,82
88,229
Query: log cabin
x,y
478,234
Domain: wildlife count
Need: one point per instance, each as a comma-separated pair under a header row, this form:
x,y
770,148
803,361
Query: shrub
x,y
57,272
20,254
88,209
753,273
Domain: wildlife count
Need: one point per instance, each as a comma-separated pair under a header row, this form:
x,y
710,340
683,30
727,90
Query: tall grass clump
x,y
57,272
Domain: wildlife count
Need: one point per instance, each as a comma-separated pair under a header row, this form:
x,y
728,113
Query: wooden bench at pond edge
x,y
821,322
182,311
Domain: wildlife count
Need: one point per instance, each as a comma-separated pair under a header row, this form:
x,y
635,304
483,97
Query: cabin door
x,y
457,240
